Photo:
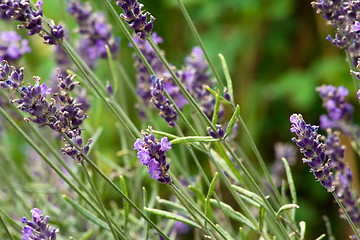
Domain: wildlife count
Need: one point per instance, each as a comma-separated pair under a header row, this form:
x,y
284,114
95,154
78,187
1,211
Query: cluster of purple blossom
x,y
31,19
342,14
342,176
194,75
38,228
167,111
313,149
95,33
136,18
340,113
152,153
12,46
65,118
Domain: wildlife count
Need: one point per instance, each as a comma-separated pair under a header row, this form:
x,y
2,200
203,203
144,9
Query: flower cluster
x,y
31,19
152,153
136,18
340,113
309,143
167,111
343,16
143,76
342,176
196,76
12,47
95,33
66,116
38,228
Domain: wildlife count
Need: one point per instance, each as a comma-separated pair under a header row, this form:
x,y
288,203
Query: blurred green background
x,y
277,54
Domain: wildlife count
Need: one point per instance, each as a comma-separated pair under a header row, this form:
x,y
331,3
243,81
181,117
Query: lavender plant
x,y
113,197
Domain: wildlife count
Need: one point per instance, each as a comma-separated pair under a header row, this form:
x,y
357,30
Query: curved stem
x,y
346,214
100,203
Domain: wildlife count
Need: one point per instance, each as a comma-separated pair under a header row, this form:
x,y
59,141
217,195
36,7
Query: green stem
x,y
187,202
116,188
201,44
6,229
47,160
256,188
115,109
346,214
260,160
100,203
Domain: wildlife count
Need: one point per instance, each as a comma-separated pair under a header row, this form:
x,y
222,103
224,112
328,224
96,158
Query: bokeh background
x,y
277,55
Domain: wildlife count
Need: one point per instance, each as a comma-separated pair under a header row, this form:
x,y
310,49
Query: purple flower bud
x,y
314,153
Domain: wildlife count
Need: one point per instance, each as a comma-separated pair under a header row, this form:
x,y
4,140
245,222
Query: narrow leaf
x,y
229,211
208,212
112,69
216,108
321,237
199,194
126,204
227,77
302,225
290,181
86,213
232,121
221,97
249,195
173,216
284,208
261,216
193,139
145,204
173,205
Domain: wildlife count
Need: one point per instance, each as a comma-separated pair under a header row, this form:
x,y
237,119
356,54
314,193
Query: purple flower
x,y
343,16
66,117
165,145
343,176
152,153
196,76
144,79
12,47
95,33
340,112
38,228
167,111
45,90
30,19
136,18
314,151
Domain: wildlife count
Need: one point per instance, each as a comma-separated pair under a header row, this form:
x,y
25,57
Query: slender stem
x,y
6,229
187,202
260,160
346,214
116,110
100,203
48,161
201,44
116,188
255,187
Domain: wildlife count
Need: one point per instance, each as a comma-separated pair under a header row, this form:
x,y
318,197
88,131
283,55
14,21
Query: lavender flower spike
x,y
38,228
136,18
152,153
167,111
314,150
